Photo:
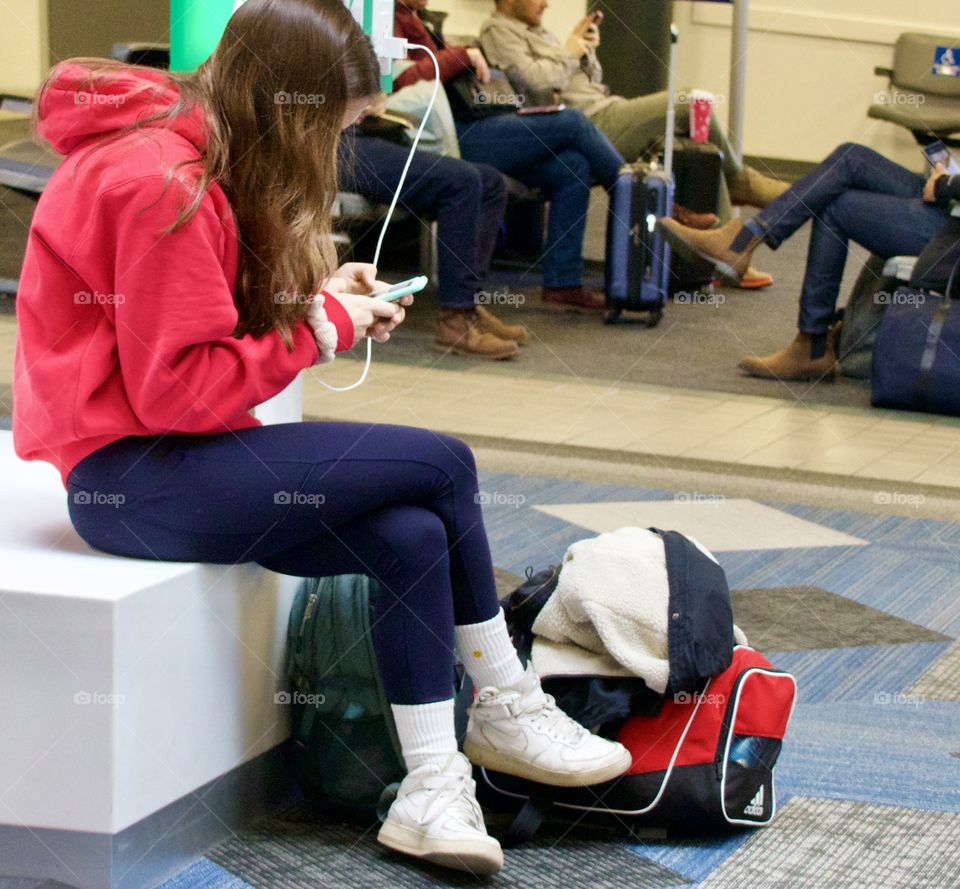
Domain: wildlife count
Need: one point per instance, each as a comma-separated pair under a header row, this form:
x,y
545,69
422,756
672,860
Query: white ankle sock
x,y
426,732
488,654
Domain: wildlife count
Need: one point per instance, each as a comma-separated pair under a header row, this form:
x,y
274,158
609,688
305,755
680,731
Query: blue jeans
x,y
396,503
467,200
563,155
854,194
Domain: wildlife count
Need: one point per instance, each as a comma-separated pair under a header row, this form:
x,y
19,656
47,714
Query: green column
x,y
196,27
195,30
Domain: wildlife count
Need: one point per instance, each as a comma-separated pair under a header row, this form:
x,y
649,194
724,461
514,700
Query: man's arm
x,y
511,53
946,189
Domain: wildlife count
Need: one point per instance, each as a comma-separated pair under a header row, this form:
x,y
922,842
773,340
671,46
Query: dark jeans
x,y
855,194
312,499
467,200
563,155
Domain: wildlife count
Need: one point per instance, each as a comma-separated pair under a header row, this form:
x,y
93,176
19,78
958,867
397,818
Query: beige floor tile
x,y
610,437
940,475
893,470
918,451
786,453
669,442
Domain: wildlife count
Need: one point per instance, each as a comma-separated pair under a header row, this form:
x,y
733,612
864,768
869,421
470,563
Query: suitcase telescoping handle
x,y
671,102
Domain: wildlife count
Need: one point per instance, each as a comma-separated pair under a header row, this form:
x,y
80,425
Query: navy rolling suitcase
x,y
638,256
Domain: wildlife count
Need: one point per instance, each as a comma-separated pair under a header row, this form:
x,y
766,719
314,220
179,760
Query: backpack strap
x,y
529,819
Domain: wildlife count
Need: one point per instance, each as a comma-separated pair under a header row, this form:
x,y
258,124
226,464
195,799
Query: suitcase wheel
x,y
653,318
612,316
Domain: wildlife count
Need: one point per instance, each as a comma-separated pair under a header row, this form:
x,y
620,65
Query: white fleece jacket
x,y
611,602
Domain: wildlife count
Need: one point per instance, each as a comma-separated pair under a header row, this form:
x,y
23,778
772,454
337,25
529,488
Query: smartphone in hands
x,y
404,288
938,153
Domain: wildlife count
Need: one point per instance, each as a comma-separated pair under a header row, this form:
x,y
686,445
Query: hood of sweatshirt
x,y
81,104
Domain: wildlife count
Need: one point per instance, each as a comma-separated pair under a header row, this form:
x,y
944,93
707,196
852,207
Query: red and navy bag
x,y
703,763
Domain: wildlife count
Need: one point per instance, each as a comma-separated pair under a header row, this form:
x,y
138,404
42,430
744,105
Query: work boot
x,y
459,331
692,219
489,323
574,299
796,361
716,245
752,188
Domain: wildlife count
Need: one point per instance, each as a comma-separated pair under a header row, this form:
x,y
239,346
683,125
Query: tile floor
x,y
496,401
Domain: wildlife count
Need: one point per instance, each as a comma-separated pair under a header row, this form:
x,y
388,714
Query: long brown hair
x,y
275,92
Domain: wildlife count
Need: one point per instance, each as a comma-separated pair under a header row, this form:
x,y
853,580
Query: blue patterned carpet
x,y
869,779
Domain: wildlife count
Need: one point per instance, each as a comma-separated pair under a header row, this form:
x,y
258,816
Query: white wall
x,y
810,68
23,53
810,64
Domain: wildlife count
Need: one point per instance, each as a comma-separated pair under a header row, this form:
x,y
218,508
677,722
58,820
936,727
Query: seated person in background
x,y
468,201
539,65
855,194
562,154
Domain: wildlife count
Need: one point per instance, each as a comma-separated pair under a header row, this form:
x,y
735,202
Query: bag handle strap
x,y
953,277
528,820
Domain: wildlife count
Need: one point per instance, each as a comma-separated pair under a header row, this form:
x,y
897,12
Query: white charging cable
x,y
393,205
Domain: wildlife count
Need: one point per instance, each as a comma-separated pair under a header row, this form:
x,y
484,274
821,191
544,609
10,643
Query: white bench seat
x,y
126,686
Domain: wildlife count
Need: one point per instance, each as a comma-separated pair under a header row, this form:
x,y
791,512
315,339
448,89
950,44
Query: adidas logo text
x,y
755,807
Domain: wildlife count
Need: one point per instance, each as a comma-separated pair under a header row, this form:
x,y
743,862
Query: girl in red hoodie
x,y
180,272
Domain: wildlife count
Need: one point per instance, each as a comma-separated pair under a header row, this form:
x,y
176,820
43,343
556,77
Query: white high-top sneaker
x,y
436,817
523,732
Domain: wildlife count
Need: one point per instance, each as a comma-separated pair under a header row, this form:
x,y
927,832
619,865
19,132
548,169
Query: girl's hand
x,y
357,277
371,316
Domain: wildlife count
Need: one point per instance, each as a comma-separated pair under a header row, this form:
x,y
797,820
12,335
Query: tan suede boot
x,y
489,323
459,331
794,362
713,245
751,187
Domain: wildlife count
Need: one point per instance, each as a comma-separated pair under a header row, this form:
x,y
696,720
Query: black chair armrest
x,y
153,55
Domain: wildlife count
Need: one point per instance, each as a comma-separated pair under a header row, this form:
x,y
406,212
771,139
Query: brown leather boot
x,y
489,323
574,299
751,187
713,245
794,362
459,331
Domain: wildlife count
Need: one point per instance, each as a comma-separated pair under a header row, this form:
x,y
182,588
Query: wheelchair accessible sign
x,y
946,61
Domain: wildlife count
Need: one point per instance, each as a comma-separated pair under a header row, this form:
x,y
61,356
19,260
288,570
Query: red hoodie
x,y
122,329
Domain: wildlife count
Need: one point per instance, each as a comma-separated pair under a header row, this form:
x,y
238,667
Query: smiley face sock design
x,y
488,654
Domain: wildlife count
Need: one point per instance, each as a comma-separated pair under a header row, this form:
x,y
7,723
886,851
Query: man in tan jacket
x,y
546,70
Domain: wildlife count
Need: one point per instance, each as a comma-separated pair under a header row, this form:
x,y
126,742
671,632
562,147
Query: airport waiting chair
x,y
924,88
25,166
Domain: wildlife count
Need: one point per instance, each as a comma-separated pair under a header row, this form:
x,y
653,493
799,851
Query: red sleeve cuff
x,y
340,319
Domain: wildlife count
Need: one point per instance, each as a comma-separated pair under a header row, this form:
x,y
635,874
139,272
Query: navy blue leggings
x,y
312,499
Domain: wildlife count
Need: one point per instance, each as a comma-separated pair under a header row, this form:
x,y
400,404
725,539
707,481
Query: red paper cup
x,y
701,108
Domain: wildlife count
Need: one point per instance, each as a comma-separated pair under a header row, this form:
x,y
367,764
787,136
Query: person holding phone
x,y
179,272
547,69
855,194
468,202
563,154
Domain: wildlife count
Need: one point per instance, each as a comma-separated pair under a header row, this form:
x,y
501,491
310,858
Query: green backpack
x,y
345,743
